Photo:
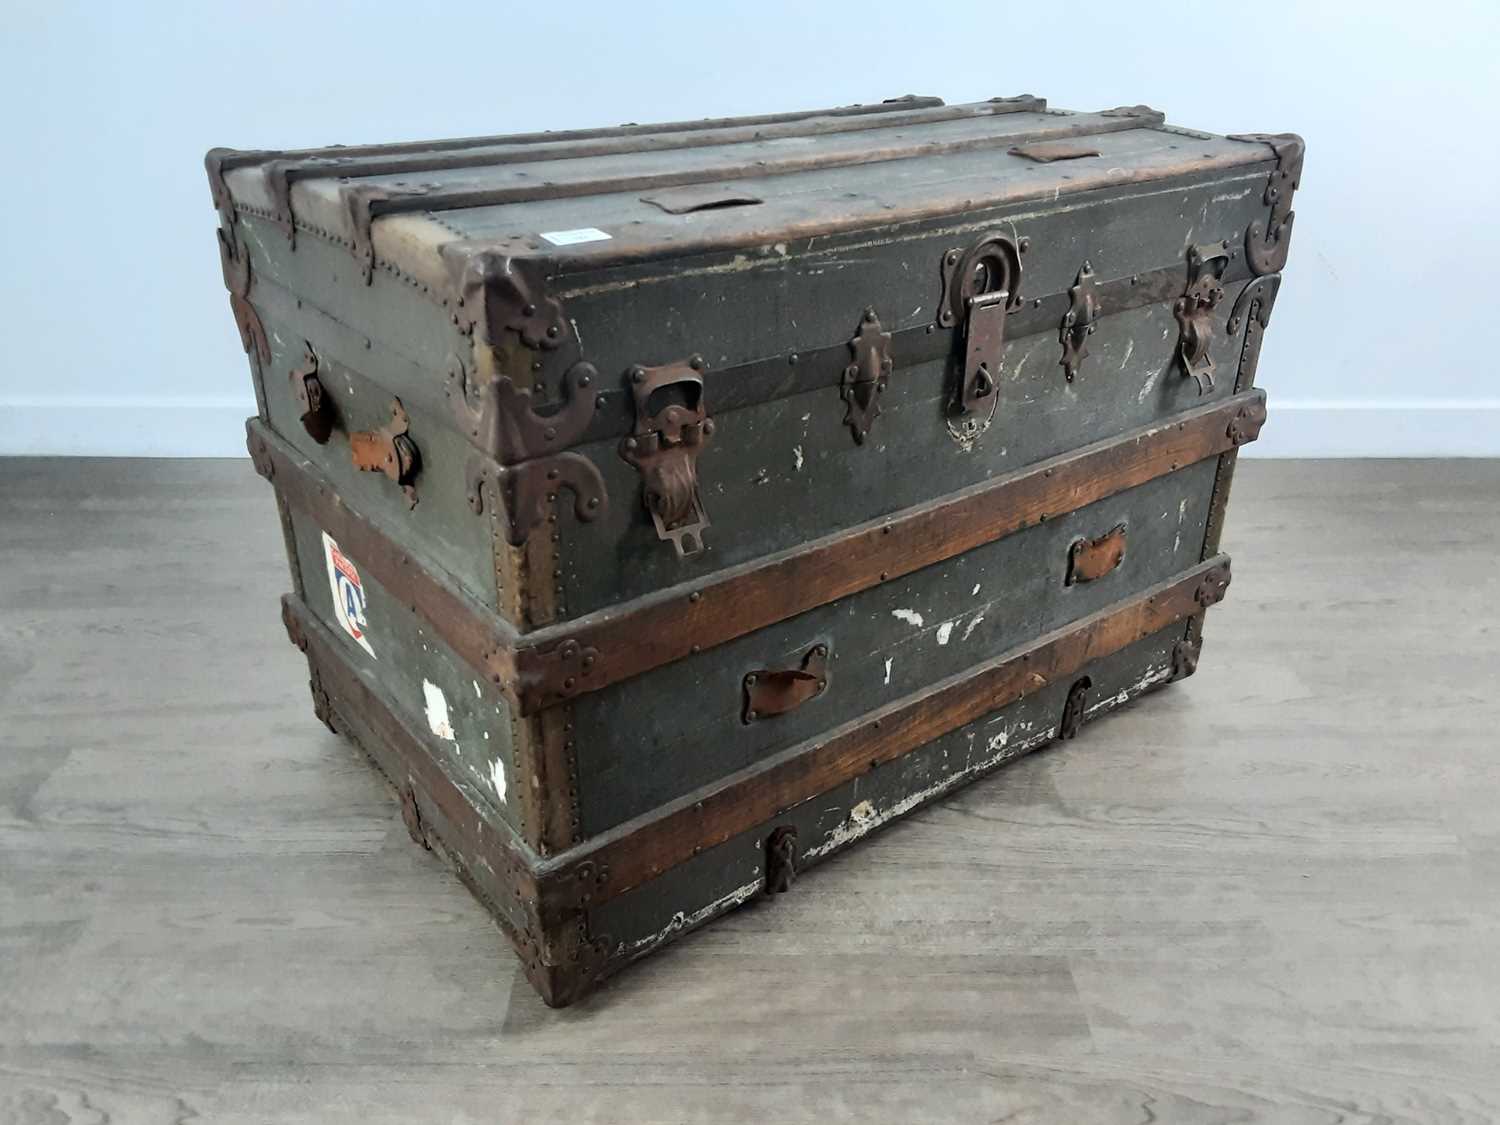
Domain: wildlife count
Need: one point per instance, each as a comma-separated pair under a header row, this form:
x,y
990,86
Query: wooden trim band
x,y
660,628
554,664
474,631
637,851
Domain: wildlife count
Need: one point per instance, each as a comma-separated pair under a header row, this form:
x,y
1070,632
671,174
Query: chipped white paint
x,y
910,616
971,626
862,812
851,829
684,921
1181,515
1146,387
999,747
806,417
945,632
797,453
476,689
889,660
437,711
1129,347
486,736
1150,679
974,593
497,779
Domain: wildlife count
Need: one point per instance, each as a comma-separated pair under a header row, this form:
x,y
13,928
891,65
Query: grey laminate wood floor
x,y
1270,893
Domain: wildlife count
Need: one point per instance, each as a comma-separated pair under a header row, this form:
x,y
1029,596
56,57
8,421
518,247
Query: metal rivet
x,y
695,596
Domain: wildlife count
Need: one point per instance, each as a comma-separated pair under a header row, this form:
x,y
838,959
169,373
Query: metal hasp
x,y
775,691
1091,559
781,860
1078,322
1194,311
671,428
981,286
1267,245
389,450
865,378
1074,708
318,417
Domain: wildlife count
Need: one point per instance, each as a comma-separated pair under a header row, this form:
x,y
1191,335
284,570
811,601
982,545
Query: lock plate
x,y
1078,322
866,376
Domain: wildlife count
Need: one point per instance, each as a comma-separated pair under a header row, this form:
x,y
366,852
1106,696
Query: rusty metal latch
x,y
1078,322
671,428
318,415
781,860
1194,311
866,376
775,691
389,450
1091,559
1075,707
981,286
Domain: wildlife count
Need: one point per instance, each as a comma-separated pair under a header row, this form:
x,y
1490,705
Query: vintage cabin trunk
x,y
671,505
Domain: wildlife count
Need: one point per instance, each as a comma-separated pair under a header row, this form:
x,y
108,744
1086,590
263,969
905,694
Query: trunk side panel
x,y
647,740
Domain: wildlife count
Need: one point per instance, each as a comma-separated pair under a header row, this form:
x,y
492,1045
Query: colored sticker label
x,y
574,237
348,593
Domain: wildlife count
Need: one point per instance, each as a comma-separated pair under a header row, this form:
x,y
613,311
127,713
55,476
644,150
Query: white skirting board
x,y
190,427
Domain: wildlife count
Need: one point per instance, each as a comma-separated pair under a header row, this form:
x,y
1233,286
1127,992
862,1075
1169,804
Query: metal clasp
x,y
1194,311
671,428
318,416
981,286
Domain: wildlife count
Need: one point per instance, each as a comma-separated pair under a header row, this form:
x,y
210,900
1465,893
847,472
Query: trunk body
x,y
669,506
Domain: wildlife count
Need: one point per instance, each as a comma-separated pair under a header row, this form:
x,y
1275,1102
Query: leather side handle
x,y
389,449
775,691
1091,559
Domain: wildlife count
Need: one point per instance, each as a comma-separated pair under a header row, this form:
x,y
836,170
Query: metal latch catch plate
x,y
866,376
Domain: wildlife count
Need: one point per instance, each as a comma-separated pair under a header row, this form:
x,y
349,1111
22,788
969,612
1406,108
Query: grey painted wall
x,y
117,336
